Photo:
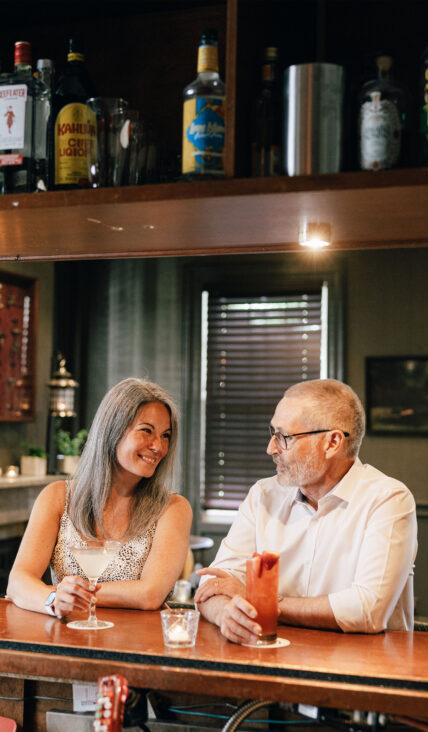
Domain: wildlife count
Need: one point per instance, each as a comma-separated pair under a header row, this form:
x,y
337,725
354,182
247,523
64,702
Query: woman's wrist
x,y
50,604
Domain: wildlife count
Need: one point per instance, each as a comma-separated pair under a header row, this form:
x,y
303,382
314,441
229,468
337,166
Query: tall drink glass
x,y
262,593
93,558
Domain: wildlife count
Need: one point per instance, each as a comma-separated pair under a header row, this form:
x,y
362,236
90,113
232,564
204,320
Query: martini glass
x,y
93,558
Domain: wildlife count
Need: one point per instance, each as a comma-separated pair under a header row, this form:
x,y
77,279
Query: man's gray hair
x,y
94,476
331,404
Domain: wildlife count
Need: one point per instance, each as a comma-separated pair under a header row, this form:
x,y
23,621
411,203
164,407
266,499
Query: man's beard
x,y
301,473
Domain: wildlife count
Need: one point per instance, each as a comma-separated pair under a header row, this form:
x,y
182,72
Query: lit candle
x,y
12,471
178,634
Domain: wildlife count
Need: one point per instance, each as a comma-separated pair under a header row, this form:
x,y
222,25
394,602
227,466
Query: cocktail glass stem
x,y
92,619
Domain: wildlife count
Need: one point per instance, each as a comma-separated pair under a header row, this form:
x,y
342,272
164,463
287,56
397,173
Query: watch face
x,y
51,598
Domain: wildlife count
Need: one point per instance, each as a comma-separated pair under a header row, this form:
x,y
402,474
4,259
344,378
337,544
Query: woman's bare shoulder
x,y
53,494
179,504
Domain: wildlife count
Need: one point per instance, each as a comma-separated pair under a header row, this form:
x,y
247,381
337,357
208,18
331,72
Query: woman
x,y
121,491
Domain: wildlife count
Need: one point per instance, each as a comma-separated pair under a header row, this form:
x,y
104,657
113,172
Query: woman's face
x,y
146,441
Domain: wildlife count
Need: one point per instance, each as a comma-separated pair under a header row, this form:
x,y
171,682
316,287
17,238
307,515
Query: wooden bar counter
x,y
385,673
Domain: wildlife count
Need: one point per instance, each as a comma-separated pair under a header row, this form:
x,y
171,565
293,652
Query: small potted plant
x,y
70,449
33,461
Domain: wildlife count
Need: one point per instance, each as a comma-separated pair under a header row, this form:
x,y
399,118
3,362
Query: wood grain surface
x,y
382,210
386,672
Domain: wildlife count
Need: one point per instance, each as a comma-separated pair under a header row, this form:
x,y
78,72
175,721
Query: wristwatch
x,y
50,601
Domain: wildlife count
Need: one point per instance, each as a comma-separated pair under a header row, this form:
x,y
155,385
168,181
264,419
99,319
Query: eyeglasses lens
x,y
279,438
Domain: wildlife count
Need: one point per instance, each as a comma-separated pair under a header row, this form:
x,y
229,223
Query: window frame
x,y
241,275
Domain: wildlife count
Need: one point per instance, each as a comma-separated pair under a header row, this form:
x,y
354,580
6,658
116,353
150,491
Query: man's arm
x,y
310,612
236,617
385,565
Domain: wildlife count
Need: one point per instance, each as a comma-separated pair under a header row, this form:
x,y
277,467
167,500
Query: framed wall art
x,y
18,318
397,395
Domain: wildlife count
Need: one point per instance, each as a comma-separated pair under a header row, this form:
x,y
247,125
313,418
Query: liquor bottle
x,y
267,130
17,93
72,138
382,122
204,114
44,74
423,112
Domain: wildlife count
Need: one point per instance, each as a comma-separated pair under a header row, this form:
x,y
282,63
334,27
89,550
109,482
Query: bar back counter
x,y
41,657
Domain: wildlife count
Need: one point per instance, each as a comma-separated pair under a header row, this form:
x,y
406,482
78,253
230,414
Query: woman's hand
x,y
222,583
74,593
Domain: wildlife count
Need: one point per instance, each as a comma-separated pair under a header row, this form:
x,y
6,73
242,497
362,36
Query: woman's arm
x,y
162,567
25,586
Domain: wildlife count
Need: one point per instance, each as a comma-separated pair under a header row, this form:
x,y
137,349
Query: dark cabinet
x,y
146,52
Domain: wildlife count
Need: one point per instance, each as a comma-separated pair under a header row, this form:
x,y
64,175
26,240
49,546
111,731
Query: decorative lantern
x,y
62,388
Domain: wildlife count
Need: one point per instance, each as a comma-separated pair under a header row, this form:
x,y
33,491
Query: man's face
x,y
303,463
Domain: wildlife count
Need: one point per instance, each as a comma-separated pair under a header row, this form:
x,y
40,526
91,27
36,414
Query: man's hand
x,y
236,621
222,583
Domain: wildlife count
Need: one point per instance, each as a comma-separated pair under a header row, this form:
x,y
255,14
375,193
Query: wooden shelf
x,y
366,210
237,215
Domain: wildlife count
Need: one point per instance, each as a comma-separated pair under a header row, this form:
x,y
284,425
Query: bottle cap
x,y
384,62
44,63
75,50
209,37
271,53
22,53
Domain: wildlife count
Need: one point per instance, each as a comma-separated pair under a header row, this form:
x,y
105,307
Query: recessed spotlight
x,y
315,235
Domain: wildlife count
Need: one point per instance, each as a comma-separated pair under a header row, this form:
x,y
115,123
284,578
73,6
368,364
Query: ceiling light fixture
x,y
315,235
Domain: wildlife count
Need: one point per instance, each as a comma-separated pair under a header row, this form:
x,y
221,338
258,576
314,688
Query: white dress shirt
x,y
358,548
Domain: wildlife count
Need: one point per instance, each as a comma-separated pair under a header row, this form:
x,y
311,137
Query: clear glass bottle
x,y
382,123
44,74
204,114
72,137
267,126
18,91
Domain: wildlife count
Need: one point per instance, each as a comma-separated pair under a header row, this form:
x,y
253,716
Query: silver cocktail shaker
x,y
313,118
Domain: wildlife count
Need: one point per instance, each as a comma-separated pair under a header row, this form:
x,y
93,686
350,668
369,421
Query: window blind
x,y
255,348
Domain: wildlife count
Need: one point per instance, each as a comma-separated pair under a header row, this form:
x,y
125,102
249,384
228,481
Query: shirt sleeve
x,y
240,542
384,567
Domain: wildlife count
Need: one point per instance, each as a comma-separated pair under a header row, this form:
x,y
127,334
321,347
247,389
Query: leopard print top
x,y
127,565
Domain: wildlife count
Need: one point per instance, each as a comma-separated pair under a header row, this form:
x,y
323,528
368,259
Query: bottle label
x,y
13,101
268,72
203,135
207,58
75,144
380,133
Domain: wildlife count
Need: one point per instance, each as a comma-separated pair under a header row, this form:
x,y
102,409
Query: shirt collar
x,y
343,489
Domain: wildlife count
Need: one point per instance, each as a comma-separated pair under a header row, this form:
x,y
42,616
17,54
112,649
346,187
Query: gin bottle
x,y
204,114
382,123
267,132
17,93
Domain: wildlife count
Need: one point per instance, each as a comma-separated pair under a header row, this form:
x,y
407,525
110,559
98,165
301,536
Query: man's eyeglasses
x,y
281,440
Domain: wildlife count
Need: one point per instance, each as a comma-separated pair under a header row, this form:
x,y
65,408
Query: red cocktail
x,y
262,592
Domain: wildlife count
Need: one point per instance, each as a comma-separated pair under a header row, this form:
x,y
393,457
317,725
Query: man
x,y
345,532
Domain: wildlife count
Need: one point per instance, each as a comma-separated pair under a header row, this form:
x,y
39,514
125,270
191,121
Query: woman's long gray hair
x,y
94,476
